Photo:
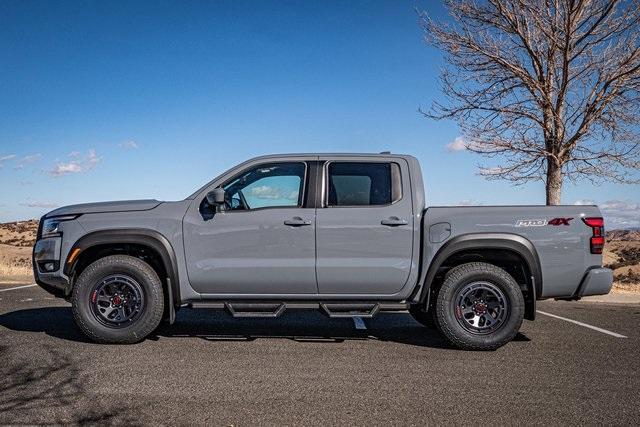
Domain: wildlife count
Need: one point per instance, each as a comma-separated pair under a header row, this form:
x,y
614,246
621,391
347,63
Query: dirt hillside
x,y
21,233
622,254
16,241
623,257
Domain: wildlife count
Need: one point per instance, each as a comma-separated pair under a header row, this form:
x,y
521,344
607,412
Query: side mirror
x,y
216,197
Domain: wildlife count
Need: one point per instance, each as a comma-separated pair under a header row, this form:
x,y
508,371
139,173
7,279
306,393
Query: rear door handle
x,y
394,221
296,221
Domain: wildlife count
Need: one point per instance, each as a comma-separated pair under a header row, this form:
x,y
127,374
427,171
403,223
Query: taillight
x,y
597,238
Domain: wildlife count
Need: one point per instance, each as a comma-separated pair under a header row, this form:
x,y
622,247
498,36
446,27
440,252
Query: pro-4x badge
x,y
560,221
542,222
531,222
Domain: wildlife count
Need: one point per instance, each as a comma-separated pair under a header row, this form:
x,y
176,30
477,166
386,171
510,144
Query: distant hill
x,y
632,234
19,233
23,233
16,240
622,254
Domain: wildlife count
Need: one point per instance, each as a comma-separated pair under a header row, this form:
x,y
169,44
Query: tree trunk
x,y
554,182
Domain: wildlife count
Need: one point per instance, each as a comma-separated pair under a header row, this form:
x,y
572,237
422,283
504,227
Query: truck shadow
x,y
214,325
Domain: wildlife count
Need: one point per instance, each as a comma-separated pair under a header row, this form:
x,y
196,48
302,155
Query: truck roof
x,y
285,155
385,154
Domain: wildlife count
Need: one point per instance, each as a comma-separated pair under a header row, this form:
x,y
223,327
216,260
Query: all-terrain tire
x,y
449,318
145,322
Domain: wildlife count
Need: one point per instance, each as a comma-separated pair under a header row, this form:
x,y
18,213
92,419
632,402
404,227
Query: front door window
x,y
267,186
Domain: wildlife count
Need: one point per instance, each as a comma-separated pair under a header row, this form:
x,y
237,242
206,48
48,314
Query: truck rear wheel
x,y
118,299
479,307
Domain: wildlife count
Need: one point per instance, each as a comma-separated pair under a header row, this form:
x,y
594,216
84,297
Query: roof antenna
x,y
385,152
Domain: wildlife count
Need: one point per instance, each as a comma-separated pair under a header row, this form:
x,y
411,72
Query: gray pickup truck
x,y
347,234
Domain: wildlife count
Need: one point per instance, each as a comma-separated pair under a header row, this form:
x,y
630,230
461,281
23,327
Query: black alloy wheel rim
x,y
117,301
481,307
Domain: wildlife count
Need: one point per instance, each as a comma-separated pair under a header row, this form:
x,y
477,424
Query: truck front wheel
x,y
118,299
479,307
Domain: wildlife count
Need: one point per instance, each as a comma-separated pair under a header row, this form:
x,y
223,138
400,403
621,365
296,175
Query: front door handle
x,y
394,221
296,221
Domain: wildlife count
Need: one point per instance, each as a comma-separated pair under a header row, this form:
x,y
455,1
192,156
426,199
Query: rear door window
x,y
363,184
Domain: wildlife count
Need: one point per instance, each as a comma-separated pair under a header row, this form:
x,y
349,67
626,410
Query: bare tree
x,y
550,88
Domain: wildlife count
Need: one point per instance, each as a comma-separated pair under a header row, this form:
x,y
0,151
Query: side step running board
x,y
343,309
337,310
258,309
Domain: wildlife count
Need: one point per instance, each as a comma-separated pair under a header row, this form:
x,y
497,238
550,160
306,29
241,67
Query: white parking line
x,y
359,323
595,328
18,287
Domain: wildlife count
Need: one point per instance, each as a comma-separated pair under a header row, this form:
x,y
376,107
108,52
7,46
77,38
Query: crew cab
x,y
347,234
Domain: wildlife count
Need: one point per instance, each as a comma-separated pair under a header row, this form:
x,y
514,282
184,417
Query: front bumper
x,y
597,281
46,255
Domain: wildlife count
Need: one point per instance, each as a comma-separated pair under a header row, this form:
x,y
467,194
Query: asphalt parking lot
x,y
304,368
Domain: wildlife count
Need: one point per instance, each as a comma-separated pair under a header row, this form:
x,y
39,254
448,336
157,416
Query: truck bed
x,y
559,235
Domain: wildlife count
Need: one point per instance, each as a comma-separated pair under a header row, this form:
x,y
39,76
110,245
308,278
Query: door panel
x,y
364,249
252,252
262,242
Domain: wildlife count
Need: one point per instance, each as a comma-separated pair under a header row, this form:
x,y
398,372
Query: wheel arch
x,y
106,242
488,247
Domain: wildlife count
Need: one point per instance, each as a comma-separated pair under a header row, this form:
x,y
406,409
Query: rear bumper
x,y
597,281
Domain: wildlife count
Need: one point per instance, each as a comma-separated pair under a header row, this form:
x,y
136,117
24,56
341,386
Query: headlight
x,y
51,226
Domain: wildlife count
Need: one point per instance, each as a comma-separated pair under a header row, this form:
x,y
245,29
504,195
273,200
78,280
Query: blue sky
x,y
122,100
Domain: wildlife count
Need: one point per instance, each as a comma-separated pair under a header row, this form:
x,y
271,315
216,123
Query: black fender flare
x,y
505,241
139,236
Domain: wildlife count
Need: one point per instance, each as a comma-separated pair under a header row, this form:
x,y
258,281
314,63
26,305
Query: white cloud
x,y
617,213
26,160
492,171
78,165
458,144
266,192
65,168
620,214
129,145
39,204
468,203
5,158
